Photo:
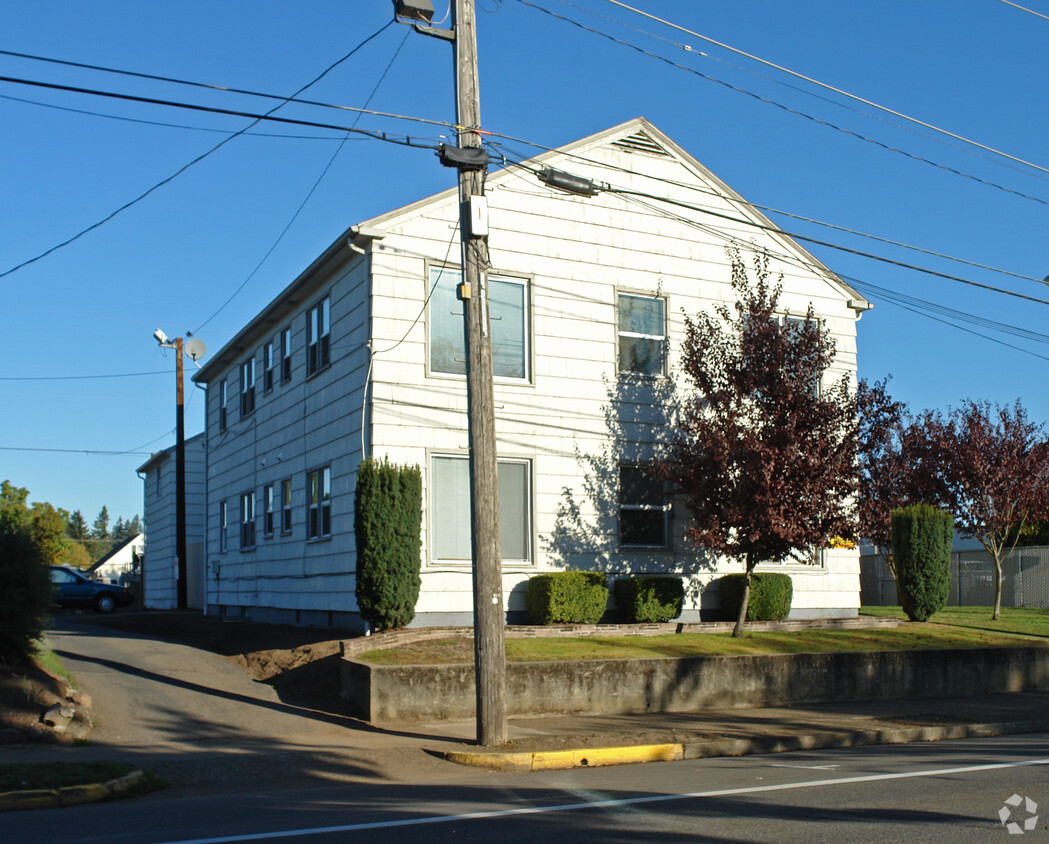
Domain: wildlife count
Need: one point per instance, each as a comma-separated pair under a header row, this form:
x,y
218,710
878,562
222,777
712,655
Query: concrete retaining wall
x,y
426,693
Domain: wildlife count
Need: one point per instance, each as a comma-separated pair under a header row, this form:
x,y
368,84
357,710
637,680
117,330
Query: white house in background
x,y
160,566
362,355
120,562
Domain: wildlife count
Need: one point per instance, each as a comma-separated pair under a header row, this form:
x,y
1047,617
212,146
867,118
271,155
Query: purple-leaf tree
x,y
765,453
989,467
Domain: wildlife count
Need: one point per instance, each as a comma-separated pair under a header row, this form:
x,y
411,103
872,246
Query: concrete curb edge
x,y
72,795
633,754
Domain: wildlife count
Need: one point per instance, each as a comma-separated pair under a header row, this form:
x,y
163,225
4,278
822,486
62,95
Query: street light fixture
x,y
195,348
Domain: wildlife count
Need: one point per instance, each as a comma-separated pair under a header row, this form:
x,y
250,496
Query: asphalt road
x,y
952,791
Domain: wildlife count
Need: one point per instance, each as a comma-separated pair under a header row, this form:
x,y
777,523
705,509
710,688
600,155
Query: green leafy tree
x,y
765,457
49,532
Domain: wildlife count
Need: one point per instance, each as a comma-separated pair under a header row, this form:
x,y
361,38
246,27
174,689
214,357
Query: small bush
x,y
649,598
921,549
567,597
27,587
770,596
387,524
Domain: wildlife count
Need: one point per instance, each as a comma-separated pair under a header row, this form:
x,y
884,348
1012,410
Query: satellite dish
x,y
196,348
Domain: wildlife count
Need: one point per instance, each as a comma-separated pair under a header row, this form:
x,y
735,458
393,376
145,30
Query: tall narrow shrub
x,y
387,523
921,546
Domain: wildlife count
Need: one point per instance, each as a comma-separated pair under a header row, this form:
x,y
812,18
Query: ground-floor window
x,y
318,499
247,520
450,509
644,513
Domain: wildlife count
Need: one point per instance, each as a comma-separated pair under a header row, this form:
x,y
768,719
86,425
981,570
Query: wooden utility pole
x,y
489,613
180,479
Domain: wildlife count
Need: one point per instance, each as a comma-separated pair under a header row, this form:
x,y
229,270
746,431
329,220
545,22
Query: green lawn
x,y
444,651
1028,621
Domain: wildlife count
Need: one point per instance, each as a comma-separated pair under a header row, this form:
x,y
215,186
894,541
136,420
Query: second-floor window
x,y
223,404
318,336
268,364
247,387
247,520
508,306
642,337
285,355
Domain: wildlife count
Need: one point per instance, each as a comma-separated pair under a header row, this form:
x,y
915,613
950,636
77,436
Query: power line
x,y
87,451
294,98
313,188
788,109
1025,9
81,377
184,168
831,88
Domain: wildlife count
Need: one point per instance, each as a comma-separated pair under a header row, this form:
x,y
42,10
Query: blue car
x,y
72,590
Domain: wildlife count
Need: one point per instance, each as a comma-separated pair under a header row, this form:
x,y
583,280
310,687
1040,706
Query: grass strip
x,y
50,775
447,651
1025,621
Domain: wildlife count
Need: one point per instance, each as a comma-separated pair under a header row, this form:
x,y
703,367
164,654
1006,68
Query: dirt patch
x,y
27,692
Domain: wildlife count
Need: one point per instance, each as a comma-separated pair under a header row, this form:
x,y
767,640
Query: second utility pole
x,y
489,613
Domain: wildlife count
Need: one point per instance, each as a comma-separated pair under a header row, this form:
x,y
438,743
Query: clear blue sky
x,y
976,68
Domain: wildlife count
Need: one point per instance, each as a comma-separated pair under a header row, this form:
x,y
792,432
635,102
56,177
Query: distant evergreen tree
x,y
101,526
76,526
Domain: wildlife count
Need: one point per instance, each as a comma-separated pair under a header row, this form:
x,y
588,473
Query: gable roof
x,y
637,136
116,550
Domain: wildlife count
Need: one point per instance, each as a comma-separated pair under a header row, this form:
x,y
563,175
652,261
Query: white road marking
x,y
604,804
805,767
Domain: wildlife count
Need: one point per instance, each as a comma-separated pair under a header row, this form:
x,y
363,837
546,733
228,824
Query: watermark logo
x,y
1017,820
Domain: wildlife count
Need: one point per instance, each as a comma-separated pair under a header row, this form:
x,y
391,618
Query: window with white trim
x,y
285,506
318,336
285,355
642,334
508,315
223,405
247,520
247,386
269,363
318,503
223,527
644,513
450,509
268,502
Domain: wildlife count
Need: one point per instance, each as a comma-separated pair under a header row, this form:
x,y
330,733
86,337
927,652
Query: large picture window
x,y
450,497
643,510
642,338
508,303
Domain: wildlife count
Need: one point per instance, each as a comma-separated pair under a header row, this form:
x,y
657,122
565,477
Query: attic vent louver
x,y
640,142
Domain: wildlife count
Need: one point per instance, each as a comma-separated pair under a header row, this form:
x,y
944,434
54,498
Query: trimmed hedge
x,y
649,598
387,522
770,596
567,597
921,549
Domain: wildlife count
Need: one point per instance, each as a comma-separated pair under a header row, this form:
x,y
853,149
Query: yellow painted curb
x,y
41,798
595,757
75,795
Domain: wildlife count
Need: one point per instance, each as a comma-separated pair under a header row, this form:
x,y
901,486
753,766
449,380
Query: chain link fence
x,y
1025,581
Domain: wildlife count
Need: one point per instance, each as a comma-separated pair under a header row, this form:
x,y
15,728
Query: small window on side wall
x,y
644,515
318,336
642,334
